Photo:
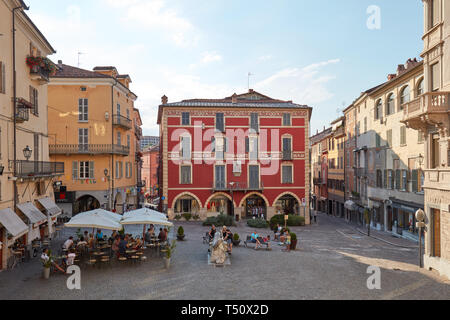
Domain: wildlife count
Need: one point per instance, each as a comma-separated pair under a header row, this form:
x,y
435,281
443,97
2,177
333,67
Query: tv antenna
x,y
248,80
79,54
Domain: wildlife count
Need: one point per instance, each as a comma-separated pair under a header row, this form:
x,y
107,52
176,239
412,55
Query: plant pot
x,y
46,273
180,237
167,262
293,244
236,243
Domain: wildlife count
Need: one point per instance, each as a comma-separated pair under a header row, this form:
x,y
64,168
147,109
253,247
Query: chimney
x,y
60,62
391,76
250,90
401,68
234,98
164,99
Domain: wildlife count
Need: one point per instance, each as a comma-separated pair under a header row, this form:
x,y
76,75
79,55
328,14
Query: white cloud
x,y
211,57
265,58
302,85
156,15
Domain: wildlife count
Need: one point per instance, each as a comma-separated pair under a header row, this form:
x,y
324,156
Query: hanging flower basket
x,y
41,62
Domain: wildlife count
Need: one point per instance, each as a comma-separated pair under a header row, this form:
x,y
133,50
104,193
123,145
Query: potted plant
x,y
47,265
180,234
236,240
177,217
169,251
187,216
293,241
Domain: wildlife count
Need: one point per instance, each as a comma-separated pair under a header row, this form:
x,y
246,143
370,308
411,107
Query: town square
x,y
168,150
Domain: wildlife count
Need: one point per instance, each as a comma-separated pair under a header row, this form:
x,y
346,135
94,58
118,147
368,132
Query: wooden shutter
x,y
254,122
398,179
91,169
75,170
385,179
402,135
415,180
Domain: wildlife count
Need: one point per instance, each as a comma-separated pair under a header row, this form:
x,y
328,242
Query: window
x,y
420,136
379,179
435,77
404,180
186,148
358,128
128,141
286,119
128,113
253,152
2,77
221,148
287,149
389,138
365,124
185,119
434,13
118,109
220,177
220,123
391,179
398,179
83,110
254,177
34,99
378,110
254,123
420,87
390,106
404,97
83,138
403,135
119,139
378,140
86,169
119,169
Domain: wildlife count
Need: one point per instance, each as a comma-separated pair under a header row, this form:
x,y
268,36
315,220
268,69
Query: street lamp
x,y
420,217
27,152
232,199
106,172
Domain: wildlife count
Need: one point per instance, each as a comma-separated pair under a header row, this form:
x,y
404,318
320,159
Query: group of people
x,y
284,236
150,234
227,236
258,240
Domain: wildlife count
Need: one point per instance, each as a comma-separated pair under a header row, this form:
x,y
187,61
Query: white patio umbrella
x,y
97,219
146,212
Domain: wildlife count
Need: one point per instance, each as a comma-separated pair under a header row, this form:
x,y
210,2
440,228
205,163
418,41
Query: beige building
x,y
429,113
27,210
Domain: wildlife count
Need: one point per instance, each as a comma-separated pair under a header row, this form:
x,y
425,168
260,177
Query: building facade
x,y
336,169
429,113
244,155
150,171
148,141
27,208
94,129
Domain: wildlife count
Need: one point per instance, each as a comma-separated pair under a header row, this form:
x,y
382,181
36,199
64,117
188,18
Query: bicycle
x,y
13,260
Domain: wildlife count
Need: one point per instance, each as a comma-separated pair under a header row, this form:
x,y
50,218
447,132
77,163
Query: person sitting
x,y
71,258
254,237
288,242
99,235
68,244
115,246
123,246
138,244
91,241
162,235
148,236
283,236
113,237
278,232
82,242
212,232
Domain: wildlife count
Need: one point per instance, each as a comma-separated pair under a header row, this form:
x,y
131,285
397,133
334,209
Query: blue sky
x,y
319,53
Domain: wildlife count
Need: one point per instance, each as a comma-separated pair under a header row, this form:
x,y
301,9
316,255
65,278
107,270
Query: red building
x,y
244,155
150,163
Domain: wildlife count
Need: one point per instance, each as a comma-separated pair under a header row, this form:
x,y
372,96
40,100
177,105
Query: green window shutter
x,y
397,179
385,179
415,180
75,170
91,169
247,145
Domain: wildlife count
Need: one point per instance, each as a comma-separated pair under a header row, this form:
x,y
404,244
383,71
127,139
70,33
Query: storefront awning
x,y
12,223
405,207
32,213
350,205
52,209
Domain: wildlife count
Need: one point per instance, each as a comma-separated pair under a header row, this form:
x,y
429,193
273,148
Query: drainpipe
x,y
15,98
111,201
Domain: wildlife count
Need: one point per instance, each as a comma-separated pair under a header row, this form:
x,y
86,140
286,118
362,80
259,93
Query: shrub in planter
x,y
177,217
219,221
236,240
293,241
196,217
257,223
180,233
295,221
187,216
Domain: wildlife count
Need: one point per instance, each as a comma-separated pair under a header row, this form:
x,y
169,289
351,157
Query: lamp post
x,y
420,217
106,172
27,151
232,200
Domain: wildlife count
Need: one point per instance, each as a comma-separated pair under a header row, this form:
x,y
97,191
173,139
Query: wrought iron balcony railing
x,y
89,149
39,73
122,121
31,169
22,113
238,187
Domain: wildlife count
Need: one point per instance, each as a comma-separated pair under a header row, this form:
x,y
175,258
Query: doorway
x,y
255,206
436,233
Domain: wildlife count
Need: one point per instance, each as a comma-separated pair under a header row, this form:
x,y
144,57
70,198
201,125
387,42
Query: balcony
x,y
40,74
90,149
428,109
37,169
121,121
22,114
237,187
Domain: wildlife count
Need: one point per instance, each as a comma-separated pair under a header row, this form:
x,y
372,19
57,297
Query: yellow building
x,y
27,210
93,131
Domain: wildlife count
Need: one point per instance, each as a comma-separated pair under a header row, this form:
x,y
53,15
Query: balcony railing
x,y
91,149
431,102
22,113
39,73
121,121
237,187
31,169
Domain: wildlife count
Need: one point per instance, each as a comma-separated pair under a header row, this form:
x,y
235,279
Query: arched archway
x,y
220,202
254,204
186,202
85,203
287,203
118,203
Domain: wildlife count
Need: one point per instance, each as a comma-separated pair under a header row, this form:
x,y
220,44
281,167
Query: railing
x,y
40,72
287,155
89,149
238,186
430,102
37,168
22,114
121,121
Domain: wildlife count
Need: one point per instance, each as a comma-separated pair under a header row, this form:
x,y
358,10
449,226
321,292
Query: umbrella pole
x,y
143,237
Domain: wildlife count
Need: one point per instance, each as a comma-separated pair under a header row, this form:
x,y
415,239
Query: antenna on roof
x,y
79,54
248,80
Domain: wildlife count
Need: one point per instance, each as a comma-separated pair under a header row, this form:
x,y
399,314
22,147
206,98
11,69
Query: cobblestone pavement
x,y
331,263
